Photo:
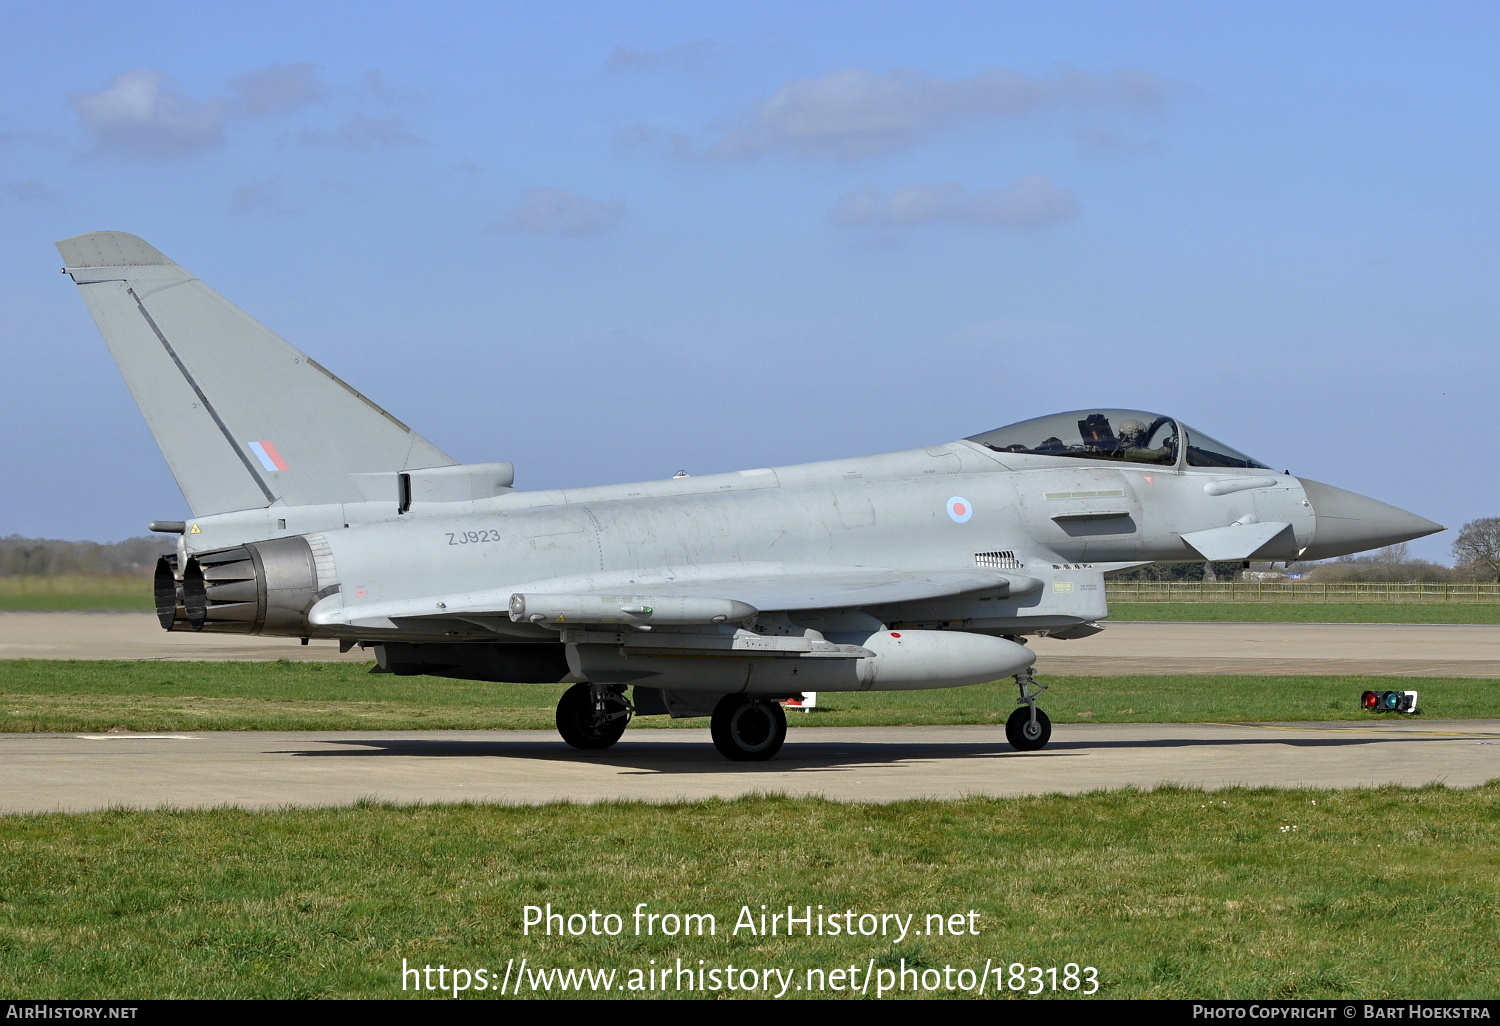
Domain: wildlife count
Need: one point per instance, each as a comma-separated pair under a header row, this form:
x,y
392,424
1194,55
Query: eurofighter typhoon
x,y
317,514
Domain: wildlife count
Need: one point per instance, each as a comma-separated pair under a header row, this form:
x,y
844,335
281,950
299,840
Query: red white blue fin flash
x,y
272,461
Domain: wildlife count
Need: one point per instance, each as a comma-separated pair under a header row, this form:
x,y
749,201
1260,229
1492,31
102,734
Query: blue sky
x,y
611,241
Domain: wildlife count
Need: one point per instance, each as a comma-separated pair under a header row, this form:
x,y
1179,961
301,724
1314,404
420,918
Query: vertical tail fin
x,y
243,419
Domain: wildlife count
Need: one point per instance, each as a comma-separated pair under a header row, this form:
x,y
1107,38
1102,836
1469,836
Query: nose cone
x,y
1350,522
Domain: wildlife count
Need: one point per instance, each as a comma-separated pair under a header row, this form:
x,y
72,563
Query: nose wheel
x,y
592,716
1028,728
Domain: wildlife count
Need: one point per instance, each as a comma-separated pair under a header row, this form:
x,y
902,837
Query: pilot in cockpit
x,y
1135,439
1132,433
1130,436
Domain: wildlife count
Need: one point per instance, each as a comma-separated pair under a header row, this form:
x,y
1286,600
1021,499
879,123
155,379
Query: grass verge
x,y
76,593
1309,612
66,696
1173,893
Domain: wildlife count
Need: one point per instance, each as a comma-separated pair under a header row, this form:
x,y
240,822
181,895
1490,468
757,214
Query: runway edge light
x,y
1389,701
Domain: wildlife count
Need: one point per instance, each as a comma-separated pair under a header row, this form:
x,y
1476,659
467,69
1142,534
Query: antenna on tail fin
x,y
244,419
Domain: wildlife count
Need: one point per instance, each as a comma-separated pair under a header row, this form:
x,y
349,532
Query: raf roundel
x,y
960,509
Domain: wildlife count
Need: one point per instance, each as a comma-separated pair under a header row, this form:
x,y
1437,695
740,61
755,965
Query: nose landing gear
x,y
592,716
1028,728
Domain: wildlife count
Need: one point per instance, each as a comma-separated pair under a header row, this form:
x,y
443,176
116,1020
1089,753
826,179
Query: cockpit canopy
x,y
1125,436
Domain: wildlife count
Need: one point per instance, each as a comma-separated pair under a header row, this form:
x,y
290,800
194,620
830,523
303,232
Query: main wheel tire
x,y
1025,735
577,721
748,729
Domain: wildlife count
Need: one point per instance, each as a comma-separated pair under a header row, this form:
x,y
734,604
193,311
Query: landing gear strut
x,y
592,716
1028,728
748,729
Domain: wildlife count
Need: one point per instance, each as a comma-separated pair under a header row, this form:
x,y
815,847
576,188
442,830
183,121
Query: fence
x,y
1278,591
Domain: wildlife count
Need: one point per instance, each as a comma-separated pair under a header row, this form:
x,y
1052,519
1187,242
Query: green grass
x,y
76,593
1309,612
66,696
1174,893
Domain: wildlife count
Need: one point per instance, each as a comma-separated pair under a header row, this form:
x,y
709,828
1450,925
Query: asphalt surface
x,y
76,773
271,770
1395,650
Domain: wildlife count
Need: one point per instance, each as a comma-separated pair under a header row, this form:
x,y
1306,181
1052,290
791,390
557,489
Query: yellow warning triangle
x,y
560,619
195,530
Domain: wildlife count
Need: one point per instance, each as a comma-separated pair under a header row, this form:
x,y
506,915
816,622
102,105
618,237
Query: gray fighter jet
x,y
316,514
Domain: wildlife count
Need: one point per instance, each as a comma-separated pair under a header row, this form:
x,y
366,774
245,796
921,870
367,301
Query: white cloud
x,y
379,89
258,196
1102,141
553,211
363,133
856,113
9,140
695,56
31,191
142,114
1029,202
635,134
278,90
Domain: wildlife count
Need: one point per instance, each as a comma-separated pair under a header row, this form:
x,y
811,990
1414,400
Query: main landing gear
x,y
748,729
1028,728
592,716
745,728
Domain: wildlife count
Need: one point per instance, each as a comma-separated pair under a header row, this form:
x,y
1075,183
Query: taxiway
x,y
76,773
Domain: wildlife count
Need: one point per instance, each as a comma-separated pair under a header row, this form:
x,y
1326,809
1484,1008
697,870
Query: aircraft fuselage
x,y
1055,517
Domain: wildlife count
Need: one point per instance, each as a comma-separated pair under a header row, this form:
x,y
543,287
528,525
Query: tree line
x,y
52,557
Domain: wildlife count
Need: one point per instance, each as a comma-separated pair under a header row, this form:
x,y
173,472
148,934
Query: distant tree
x,y
1392,555
1393,564
1185,572
1477,547
50,557
1222,570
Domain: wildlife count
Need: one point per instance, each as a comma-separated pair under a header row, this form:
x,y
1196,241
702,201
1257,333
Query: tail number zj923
x,y
472,537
